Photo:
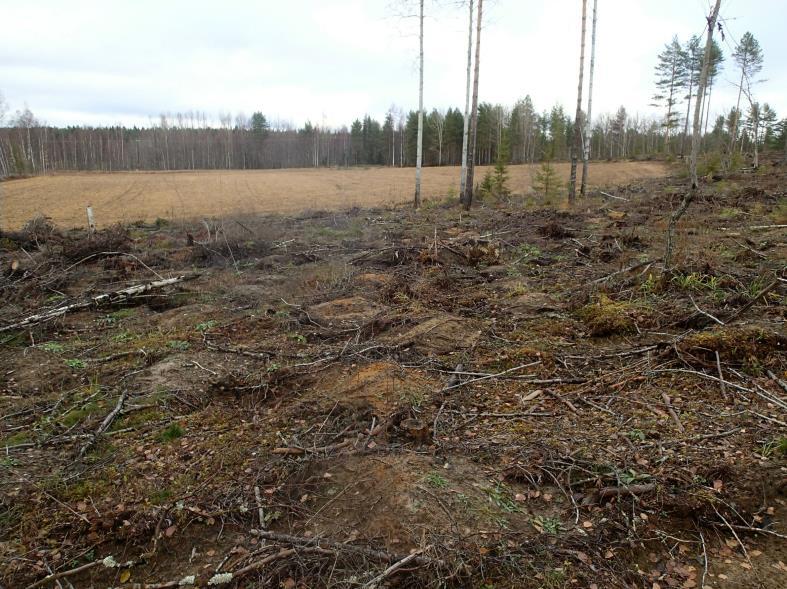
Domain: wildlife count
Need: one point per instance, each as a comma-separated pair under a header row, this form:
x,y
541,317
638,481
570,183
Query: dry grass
x,y
129,196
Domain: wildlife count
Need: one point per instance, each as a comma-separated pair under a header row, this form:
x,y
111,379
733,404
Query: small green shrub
x,y
76,364
172,432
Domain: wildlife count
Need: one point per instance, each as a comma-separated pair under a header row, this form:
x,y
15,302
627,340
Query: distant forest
x,y
191,142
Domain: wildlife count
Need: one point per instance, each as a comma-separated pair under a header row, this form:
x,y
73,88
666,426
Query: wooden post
x,y
91,222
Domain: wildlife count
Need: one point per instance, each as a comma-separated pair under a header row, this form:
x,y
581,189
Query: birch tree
x,y
468,193
695,139
463,178
420,144
578,144
588,119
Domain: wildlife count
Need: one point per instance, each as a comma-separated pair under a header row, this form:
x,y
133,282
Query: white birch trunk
x,y
420,147
468,193
588,122
572,184
463,179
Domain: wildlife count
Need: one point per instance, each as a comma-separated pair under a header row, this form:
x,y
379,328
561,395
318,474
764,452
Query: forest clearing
x,y
513,396
177,196
326,297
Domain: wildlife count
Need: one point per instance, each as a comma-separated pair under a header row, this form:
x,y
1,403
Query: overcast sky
x,y
103,62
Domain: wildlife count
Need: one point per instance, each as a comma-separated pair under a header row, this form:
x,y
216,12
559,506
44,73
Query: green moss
x,y
76,415
16,439
607,317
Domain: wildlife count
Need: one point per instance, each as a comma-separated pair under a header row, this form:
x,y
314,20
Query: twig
x,y
671,411
708,315
377,555
778,381
105,424
701,374
613,196
488,376
393,568
633,490
721,376
752,302
260,512
624,271
705,560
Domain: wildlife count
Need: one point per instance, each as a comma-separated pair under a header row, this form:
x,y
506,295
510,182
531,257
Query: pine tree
x,y
716,61
670,78
692,63
748,55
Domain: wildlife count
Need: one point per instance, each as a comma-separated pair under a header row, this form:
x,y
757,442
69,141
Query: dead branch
x,y
110,298
624,271
671,411
623,491
393,568
752,302
105,424
377,555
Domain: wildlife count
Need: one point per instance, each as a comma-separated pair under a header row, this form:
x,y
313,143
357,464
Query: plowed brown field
x,y
129,196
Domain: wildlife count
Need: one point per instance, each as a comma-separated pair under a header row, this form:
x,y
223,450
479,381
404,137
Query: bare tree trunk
x,y
468,194
420,147
695,141
688,111
734,134
463,178
572,184
588,122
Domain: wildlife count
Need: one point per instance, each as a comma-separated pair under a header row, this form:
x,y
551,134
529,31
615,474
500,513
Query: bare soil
x,y
513,397
147,196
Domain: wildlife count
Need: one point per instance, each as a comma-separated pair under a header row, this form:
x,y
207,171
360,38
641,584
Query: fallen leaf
x,y
169,531
125,576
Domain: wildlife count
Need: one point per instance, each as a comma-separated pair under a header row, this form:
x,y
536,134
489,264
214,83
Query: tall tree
x,y
693,66
578,143
420,148
468,194
695,139
588,118
670,78
748,56
466,132
716,60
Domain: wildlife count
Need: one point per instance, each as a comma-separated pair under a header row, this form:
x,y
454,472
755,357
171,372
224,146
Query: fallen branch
x,y
108,562
708,315
488,376
393,568
671,411
377,555
613,196
110,298
632,490
624,271
752,302
105,424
